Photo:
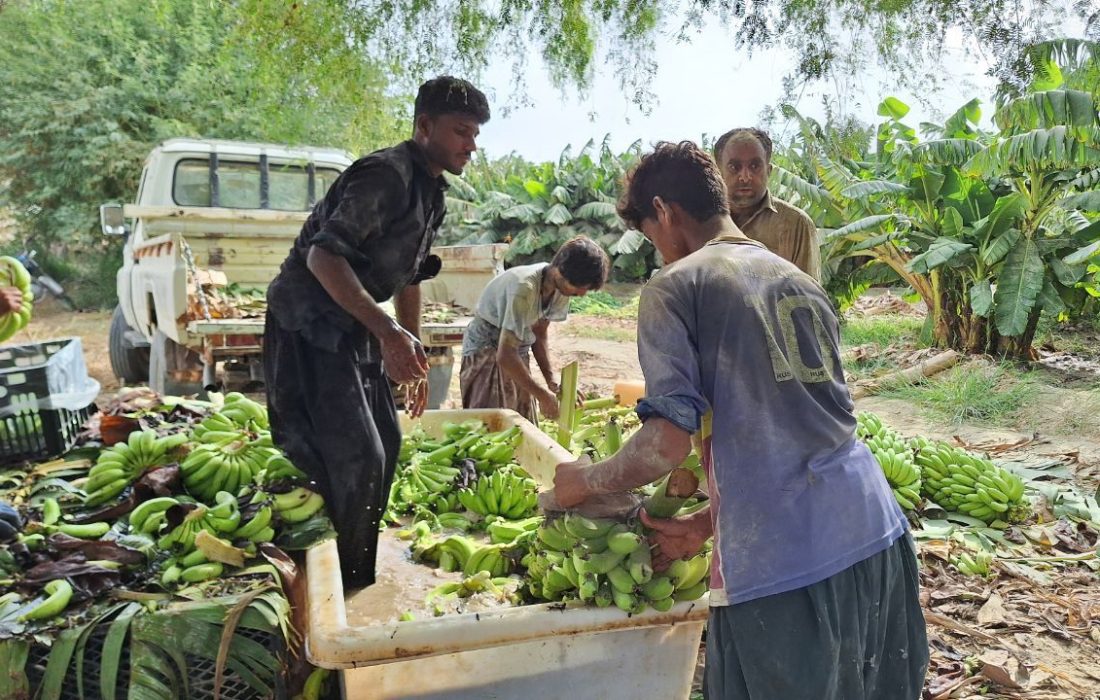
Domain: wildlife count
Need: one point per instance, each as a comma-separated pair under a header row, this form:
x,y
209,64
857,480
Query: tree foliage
x,y
88,86
828,37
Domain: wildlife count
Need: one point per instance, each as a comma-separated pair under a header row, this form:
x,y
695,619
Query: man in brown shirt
x,y
744,156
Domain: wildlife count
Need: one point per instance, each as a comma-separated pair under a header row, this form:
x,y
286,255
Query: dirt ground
x,y
1010,636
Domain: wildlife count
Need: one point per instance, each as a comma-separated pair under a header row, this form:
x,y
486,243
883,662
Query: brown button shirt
x,y
787,231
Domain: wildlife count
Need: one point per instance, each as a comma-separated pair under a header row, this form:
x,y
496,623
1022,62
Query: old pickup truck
x,y
211,223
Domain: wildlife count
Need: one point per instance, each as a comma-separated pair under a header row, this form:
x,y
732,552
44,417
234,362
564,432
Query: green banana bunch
x,y
427,478
503,588
895,456
297,505
259,527
453,521
192,567
149,516
513,532
13,274
490,558
225,462
978,564
958,480
504,492
279,468
241,411
604,563
122,464
222,518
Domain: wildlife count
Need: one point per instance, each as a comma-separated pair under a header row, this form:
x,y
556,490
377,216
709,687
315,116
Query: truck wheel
x,y
129,364
173,369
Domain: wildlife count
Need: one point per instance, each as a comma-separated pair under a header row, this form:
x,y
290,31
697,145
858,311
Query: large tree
x,y
88,86
828,37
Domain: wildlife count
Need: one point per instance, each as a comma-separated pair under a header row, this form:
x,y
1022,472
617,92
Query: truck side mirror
x,y
111,220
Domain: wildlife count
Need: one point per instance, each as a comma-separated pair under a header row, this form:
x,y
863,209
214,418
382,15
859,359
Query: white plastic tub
x,y
533,652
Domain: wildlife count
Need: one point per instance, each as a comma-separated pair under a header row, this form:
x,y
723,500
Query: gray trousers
x,y
858,635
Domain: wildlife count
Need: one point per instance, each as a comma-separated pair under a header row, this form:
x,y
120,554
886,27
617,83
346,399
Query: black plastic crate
x,y
28,374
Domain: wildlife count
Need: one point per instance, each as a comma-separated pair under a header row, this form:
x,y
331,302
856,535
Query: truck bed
x,y
431,334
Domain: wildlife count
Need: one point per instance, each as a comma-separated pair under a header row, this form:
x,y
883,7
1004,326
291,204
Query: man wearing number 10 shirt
x,y
814,589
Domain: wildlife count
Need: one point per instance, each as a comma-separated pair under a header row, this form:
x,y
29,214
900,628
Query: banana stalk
x,y
676,488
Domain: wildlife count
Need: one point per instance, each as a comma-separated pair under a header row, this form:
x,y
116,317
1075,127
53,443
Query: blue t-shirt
x,y
795,497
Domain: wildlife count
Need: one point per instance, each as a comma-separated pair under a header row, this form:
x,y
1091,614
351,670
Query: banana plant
x,y
989,229
535,207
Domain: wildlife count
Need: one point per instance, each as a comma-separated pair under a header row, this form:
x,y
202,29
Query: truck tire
x,y
129,364
167,361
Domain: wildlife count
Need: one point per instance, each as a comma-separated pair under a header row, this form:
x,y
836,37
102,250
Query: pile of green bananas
x,y
963,482
600,426
203,543
228,456
895,456
222,518
506,492
429,470
608,563
122,464
979,563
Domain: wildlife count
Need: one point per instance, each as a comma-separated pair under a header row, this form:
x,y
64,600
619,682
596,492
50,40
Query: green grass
x,y
1077,337
881,331
604,305
620,335
972,393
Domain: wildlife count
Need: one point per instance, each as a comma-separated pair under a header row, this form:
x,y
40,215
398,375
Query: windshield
x,y
243,185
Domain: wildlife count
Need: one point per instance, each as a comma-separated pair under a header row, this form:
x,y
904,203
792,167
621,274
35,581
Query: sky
x,y
705,87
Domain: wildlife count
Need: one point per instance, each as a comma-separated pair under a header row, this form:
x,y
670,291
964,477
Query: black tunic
x,y
329,401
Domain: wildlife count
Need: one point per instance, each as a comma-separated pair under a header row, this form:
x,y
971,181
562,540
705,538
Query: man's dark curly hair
x,y
760,135
583,263
450,95
676,172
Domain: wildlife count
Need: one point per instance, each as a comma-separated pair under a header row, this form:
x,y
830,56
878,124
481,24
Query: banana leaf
x,y
867,223
628,243
112,650
557,215
999,247
1089,201
601,211
942,251
981,298
13,660
1050,300
1018,287
947,151
1043,110
867,188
